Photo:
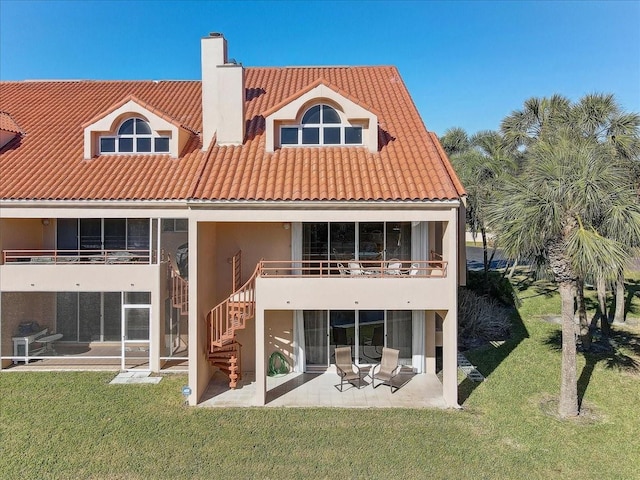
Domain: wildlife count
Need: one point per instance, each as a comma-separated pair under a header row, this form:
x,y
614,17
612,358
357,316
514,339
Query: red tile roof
x,y
48,164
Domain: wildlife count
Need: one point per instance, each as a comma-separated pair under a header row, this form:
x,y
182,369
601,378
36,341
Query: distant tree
x,y
480,168
455,140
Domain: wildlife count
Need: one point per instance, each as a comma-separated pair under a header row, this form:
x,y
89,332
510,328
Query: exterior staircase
x,y
225,319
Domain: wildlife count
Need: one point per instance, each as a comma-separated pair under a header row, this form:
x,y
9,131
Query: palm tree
x,y
455,140
480,168
552,212
599,117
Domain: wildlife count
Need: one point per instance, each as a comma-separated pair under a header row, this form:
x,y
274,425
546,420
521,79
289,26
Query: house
x,y
205,225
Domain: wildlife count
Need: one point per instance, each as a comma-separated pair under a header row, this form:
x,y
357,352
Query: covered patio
x,y
318,390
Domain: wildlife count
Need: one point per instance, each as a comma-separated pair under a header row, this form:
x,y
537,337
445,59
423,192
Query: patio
x,y
318,390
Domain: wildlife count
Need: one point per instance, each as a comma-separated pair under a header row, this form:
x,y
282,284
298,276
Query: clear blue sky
x,y
466,63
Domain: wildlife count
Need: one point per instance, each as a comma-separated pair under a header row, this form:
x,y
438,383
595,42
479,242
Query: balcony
x,y
354,269
62,257
337,285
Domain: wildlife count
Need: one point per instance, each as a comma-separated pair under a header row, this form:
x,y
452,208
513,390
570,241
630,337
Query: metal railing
x,y
354,268
232,314
58,257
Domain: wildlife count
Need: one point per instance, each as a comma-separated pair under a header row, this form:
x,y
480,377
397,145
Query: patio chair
x,y
394,267
342,269
345,368
356,269
387,369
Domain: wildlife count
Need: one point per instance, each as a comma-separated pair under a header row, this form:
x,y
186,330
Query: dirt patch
x,y
588,413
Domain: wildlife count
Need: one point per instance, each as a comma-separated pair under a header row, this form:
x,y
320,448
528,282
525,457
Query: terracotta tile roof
x,y
48,163
7,124
145,105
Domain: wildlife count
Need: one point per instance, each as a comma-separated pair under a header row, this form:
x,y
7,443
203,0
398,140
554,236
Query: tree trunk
x,y
513,269
568,404
602,305
585,332
619,315
486,261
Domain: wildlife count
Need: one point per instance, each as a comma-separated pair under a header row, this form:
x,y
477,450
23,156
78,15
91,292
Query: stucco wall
x,y
279,334
24,234
202,286
257,241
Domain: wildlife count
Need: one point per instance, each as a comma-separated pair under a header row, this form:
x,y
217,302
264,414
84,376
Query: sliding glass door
x,y
365,331
364,241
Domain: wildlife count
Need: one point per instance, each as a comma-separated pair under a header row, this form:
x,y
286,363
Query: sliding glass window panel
x,y
399,333
370,335
371,241
67,233
342,324
90,234
115,233
343,241
138,234
315,337
398,244
315,241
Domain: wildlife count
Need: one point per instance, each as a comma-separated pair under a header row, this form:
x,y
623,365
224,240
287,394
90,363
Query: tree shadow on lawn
x,y
542,288
488,357
619,351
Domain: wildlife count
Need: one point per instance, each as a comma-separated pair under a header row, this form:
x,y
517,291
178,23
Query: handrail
x,y
179,290
37,256
231,314
354,268
236,268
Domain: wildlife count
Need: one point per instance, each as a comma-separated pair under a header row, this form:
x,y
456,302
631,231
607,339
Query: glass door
x,y
315,338
370,336
136,320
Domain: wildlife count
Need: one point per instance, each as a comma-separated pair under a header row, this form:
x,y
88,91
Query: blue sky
x,y
466,63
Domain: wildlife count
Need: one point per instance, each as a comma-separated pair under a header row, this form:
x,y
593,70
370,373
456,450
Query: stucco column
x,y
450,323
261,367
430,342
197,333
450,359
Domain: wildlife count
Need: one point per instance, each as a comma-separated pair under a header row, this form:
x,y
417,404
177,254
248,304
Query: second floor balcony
x,y
64,257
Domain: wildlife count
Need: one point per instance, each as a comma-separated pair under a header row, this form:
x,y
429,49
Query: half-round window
x,y
134,136
321,125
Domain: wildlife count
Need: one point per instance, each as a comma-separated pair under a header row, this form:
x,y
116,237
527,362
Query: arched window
x,y
134,136
321,125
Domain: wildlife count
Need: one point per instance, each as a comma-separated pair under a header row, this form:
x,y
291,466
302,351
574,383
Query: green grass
x,y
76,425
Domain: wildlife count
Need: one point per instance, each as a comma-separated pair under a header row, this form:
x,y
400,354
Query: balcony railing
x,y
57,257
354,268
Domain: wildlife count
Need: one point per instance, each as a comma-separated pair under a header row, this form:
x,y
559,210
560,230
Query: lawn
x,y
76,425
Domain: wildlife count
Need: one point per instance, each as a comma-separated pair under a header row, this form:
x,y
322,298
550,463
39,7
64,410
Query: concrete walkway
x,y
318,390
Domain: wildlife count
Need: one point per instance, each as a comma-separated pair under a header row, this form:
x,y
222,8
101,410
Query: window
x,y
321,125
175,225
134,136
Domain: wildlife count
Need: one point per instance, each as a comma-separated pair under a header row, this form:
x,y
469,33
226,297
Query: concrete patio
x,y
319,390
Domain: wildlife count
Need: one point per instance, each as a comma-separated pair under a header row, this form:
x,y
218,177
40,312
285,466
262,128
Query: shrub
x,y
480,319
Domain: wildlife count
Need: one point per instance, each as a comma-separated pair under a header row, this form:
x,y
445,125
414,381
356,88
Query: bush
x,y
480,319
497,287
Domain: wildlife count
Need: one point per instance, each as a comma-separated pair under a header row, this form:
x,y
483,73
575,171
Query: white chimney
x,y
222,94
